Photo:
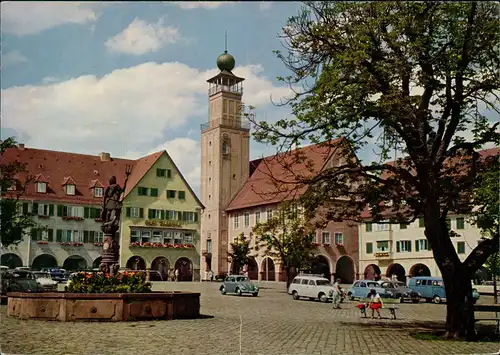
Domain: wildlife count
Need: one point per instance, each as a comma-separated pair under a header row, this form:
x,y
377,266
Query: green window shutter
x,y
85,236
403,226
65,210
91,236
154,192
33,234
98,212
128,211
196,216
59,234
398,247
151,213
409,246
421,223
158,173
167,214
34,209
169,173
417,246
460,223
368,227
86,212
51,210
59,210
184,216
369,248
25,207
50,234
461,247
141,212
182,195
162,214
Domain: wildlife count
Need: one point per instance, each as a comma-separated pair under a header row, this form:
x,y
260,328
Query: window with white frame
x,y
247,219
178,238
422,245
70,189
135,236
77,236
236,221
45,235
98,191
382,226
168,237
339,238
41,187
145,236
43,210
98,237
269,214
403,246
257,217
75,211
325,237
135,212
383,246
188,238
157,237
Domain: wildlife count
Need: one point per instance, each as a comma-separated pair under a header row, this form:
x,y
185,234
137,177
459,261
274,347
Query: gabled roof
x,y
260,188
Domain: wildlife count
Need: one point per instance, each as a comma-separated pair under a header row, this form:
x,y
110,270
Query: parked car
x,y
401,291
312,287
361,289
239,285
57,274
19,281
45,280
432,289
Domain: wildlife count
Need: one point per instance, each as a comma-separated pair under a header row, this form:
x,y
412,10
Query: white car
x,y
312,287
45,280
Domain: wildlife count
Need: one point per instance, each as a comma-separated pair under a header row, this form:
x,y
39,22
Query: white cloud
x,y
141,37
12,58
125,112
26,18
190,5
265,5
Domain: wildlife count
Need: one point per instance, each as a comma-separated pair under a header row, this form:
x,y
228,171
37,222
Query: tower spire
x,y
225,42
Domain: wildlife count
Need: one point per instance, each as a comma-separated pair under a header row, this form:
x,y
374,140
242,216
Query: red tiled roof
x,y
260,188
68,181
85,171
365,214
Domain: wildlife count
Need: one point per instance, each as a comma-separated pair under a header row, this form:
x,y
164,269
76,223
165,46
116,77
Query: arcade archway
x,y
44,261
398,270
372,272
75,262
96,263
420,270
321,266
161,265
185,267
268,272
136,263
344,270
11,260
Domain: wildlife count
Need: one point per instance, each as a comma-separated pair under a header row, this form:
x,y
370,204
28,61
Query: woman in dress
x,y
375,303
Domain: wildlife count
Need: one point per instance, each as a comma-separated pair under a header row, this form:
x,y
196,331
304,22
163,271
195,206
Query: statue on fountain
x,y
111,212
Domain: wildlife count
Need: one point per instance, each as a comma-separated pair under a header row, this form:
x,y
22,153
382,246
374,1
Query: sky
x,y
129,78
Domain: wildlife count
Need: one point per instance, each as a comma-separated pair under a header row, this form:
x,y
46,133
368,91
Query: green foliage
x,y
239,255
286,237
16,223
99,282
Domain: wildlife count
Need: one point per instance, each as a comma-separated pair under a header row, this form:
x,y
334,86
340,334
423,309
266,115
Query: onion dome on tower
x,y
226,62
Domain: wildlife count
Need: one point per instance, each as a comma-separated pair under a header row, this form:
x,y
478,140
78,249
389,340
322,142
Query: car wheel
x,y
295,295
238,291
322,297
255,294
436,300
223,290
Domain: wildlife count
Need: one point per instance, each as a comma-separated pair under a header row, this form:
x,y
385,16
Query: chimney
x,y
294,146
20,146
105,156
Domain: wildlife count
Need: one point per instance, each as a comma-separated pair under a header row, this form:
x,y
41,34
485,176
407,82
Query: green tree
x,y
16,221
286,237
413,77
239,255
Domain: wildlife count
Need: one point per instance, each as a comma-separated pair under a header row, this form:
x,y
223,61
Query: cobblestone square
x,y
272,323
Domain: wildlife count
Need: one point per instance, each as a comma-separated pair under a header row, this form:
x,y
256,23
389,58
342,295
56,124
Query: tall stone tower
x,y
225,150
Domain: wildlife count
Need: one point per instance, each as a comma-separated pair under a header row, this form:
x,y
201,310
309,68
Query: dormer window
x,y
41,187
70,189
98,192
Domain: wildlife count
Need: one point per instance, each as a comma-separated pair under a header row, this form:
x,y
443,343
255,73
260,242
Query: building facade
x,y
233,189
66,197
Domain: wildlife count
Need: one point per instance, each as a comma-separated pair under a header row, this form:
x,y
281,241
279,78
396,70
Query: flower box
x,y
72,218
98,219
315,244
42,242
326,244
161,245
71,244
98,244
340,245
43,217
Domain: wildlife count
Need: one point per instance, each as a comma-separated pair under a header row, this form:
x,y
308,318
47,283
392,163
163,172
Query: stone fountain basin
x,y
103,307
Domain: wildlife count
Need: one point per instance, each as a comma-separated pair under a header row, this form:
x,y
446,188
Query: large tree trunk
x,y
459,303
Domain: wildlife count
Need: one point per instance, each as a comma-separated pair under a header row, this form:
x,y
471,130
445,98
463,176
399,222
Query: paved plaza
x,y
272,323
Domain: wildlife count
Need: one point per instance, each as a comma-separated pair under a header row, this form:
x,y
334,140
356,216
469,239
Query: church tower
x,y
225,146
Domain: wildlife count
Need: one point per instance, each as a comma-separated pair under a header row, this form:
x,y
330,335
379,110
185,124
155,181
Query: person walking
x,y
176,275
211,275
336,294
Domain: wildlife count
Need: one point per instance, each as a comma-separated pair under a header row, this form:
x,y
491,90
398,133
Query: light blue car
x,y
361,289
432,289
